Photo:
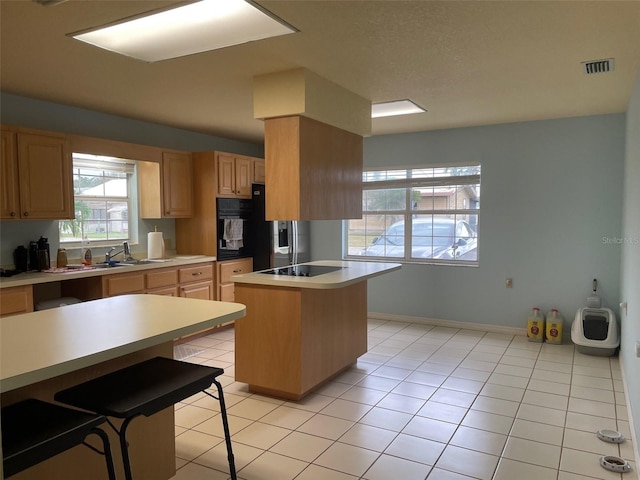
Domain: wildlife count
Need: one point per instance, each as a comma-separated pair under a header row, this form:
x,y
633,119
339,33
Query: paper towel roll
x,y
155,245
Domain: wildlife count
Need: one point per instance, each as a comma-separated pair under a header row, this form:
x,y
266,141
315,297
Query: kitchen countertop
x,y
353,272
32,278
41,345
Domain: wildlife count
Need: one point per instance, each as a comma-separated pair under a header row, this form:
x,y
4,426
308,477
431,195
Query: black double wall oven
x,y
234,228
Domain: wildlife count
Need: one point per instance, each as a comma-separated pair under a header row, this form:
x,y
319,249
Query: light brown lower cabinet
x,y
228,269
197,281
123,283
15,300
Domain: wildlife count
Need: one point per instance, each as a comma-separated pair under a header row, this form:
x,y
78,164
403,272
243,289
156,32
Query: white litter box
x,y
594,331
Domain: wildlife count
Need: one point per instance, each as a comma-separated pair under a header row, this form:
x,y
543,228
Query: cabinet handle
x,y
25,214
195,274
13,214
237,271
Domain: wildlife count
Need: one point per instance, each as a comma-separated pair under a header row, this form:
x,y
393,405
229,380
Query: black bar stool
x,y
144,389
34,430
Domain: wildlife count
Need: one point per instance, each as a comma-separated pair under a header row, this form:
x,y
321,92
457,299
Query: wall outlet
x,y
508,283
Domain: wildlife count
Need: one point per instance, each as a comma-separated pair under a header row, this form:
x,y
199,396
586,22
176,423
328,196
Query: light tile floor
x,y
423,402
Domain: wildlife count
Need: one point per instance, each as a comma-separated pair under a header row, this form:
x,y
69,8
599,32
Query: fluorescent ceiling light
x,y
192,28
398,107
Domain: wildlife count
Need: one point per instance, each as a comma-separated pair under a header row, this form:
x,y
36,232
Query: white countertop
x,y
41,345
352,272
32,278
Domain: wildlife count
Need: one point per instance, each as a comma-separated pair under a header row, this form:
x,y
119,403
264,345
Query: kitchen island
x,y
301,331
46,351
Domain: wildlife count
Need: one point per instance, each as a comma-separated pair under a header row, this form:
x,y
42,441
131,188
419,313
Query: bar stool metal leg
x,y
225,426
34,431
111,471
145,389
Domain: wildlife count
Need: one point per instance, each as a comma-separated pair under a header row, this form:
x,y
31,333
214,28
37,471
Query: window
x,y
440,203
102,199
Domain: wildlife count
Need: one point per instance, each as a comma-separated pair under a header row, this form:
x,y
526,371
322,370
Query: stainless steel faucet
x,y
126,250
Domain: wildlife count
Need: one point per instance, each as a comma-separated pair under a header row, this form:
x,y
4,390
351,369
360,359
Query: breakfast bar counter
x,y
44,352
300,331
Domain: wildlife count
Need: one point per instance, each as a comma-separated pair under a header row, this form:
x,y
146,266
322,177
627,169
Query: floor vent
x,y
597,66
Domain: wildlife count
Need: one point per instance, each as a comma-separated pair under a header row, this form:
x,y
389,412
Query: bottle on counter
x,y
86,252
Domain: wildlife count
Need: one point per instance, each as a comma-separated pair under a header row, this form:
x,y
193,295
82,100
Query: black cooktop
x,y
303,270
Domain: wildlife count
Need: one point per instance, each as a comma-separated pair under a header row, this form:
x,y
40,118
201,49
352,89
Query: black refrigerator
x,y
276,243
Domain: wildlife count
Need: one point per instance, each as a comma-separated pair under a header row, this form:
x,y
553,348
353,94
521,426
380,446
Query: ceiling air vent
x,y
598,66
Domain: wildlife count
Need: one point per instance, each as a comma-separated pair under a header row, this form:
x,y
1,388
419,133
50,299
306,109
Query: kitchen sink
x,y
136,262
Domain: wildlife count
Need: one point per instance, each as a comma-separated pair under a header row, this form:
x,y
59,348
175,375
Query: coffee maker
x,y
39,254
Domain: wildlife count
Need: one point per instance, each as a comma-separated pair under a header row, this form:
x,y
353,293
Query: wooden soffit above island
x,y
313,146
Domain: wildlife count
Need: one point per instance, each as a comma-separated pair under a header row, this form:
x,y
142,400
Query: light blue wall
x,y
551,191
630,284
27,112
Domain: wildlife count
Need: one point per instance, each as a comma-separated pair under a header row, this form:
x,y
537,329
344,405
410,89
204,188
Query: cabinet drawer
x,y
170,291
196,273
14,300
121,284
162,278
236,267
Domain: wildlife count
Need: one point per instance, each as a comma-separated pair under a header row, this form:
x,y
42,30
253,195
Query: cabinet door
x,y
226,174
177,184
9,207
200,290
227,292
44,166
123,283
257,165
15,300
243,177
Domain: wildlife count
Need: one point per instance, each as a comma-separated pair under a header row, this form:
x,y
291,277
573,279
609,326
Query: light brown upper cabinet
x,y
234,175
166,188
36,176
313,170
258,173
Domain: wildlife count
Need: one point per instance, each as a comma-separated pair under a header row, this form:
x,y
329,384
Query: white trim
x,y
486,327
634,439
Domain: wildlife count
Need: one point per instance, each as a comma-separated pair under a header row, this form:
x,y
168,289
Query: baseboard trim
x,y
634,438
438,322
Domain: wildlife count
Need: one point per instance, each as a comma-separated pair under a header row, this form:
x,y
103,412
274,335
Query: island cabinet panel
x,y
295,339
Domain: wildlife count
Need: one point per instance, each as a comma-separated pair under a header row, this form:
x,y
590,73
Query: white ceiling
x,y
467,62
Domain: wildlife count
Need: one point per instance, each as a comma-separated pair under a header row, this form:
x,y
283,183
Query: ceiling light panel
x,y
398,107
193,28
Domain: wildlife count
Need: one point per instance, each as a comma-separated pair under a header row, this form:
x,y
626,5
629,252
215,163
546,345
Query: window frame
x,y
410,182
109,164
